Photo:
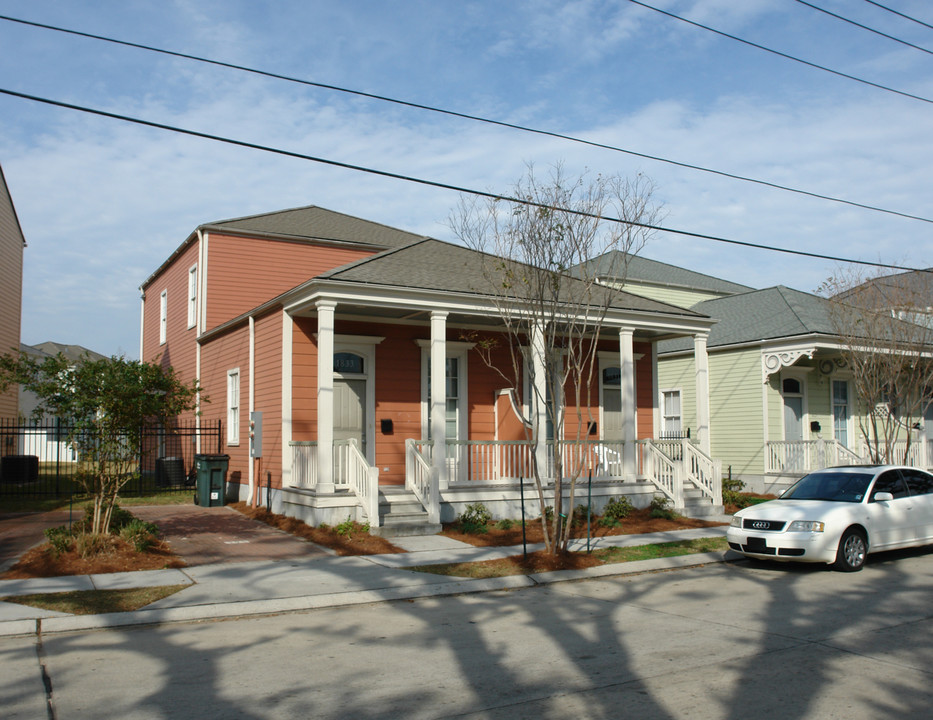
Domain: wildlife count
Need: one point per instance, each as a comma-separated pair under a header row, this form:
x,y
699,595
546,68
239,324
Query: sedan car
x,y
838,516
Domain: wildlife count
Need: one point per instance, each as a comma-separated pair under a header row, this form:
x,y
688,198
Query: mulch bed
x,y
638,522
356,542
119,556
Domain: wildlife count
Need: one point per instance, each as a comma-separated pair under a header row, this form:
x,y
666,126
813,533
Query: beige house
x,y
12,243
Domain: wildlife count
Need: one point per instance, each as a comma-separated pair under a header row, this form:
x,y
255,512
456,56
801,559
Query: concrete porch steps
x,y
698,505
402,515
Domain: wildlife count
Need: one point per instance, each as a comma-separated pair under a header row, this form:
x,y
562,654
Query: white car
x,y
838,516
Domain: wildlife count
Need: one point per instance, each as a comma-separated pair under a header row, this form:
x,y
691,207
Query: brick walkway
x,y
200,536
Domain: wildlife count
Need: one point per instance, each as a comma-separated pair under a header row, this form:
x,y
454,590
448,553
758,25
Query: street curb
x,y
222,611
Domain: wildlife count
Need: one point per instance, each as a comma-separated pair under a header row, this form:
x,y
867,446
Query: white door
x,y
612,404
349,419
892,522
795,459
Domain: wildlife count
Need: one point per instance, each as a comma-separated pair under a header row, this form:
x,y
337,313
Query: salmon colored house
x,y
317,336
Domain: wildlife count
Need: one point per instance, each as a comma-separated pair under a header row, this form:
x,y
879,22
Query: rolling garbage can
x,y
211,482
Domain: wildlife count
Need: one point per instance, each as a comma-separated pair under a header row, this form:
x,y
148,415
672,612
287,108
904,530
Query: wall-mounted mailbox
x,y
386,425
815,426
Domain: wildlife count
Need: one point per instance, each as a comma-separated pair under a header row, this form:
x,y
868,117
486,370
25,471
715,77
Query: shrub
x,y
60,538
578,519
475,518
661,508
88,545
618,508
505,524
139,533
346,527
732,492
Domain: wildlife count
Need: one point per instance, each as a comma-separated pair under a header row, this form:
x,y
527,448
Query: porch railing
x,y
920,453
421,479
351,471
797,457
703,472
661,470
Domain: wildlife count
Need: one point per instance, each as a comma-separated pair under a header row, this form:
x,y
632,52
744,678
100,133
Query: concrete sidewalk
x,y
261,587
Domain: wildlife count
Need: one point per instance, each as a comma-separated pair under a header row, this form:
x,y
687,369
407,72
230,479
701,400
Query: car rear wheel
x,y
853,547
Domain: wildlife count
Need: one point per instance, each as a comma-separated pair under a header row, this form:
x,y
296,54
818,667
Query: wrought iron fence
x,y
37,460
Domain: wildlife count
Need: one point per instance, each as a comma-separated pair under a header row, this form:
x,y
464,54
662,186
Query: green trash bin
x,y
211,474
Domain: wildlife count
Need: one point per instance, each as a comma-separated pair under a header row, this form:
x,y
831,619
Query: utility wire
x,y
906,17
465,116
865,27
784,55
440,185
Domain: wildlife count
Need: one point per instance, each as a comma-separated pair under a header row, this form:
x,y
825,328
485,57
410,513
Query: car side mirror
x,y
883,497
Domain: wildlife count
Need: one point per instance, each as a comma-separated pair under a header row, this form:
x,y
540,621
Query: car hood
x,y
790,510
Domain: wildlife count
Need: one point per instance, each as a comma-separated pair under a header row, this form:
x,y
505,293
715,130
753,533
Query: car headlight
x,y
736,522
805,526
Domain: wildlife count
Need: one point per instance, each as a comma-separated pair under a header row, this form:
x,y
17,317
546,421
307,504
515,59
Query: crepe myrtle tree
x,y
885,323
105,404
535,245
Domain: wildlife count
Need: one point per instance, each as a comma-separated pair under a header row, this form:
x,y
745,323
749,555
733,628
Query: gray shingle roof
x,y
760,315
641,269
316,223
436,265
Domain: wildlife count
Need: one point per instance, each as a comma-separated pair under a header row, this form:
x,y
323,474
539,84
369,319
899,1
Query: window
x,y
192,296
233,407
890,481
919,482
671,422
163,316
453,399
841,411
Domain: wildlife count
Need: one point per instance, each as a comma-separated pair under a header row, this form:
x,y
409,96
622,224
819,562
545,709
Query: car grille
x,y
762,525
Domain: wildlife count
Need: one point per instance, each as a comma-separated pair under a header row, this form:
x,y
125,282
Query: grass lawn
x,y
517,565
93,602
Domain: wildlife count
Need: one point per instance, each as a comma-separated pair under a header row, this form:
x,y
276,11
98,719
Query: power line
x,y
865,27
436,184
784,55
906,17
476,118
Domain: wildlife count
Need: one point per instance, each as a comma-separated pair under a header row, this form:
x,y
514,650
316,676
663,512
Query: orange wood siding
x,y
644,392
243,273
268,394
217,357
180,348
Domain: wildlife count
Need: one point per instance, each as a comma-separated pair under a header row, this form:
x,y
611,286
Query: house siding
x,y
217,357
737,436
267,396
243,272
180,348
11,290
673,296
679,374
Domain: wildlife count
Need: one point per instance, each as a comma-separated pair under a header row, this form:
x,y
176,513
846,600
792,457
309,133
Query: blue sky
x,y
102,203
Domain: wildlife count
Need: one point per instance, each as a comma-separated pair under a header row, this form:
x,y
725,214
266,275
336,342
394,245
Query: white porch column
x,y
325,396
438,409
539,401
701,361
629,429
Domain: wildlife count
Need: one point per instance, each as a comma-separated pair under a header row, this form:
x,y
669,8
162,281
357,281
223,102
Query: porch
x,y
498,473
798,457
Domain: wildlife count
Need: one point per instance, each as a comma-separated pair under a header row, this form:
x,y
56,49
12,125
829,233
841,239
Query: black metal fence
x,y
36,459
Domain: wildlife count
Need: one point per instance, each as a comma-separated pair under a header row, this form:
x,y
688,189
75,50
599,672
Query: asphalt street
x,y
732,640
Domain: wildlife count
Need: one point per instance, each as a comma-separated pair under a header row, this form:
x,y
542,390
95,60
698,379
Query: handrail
x,y
363,480
662,472
421,479
703,472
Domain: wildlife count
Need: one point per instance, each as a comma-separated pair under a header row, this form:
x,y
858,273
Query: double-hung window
x,y
671,418
192,296
163,316
233,407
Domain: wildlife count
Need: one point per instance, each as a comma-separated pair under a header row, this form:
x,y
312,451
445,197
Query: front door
x,y
349,419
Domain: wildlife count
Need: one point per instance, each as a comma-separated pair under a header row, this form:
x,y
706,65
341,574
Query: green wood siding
x,y
679,297
736,432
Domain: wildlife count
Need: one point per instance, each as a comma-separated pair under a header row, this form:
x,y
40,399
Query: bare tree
x,y
550,302
886,327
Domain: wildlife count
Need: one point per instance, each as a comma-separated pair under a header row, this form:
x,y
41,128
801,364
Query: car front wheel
x,y
853,547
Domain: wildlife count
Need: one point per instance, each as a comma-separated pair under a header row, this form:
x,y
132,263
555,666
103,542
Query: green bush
x,y
140,534
346,527
89,545
732,492
661,508
505,524
60,538
475,519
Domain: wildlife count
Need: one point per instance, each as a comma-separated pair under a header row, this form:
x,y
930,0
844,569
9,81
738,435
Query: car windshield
x,y
834,486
